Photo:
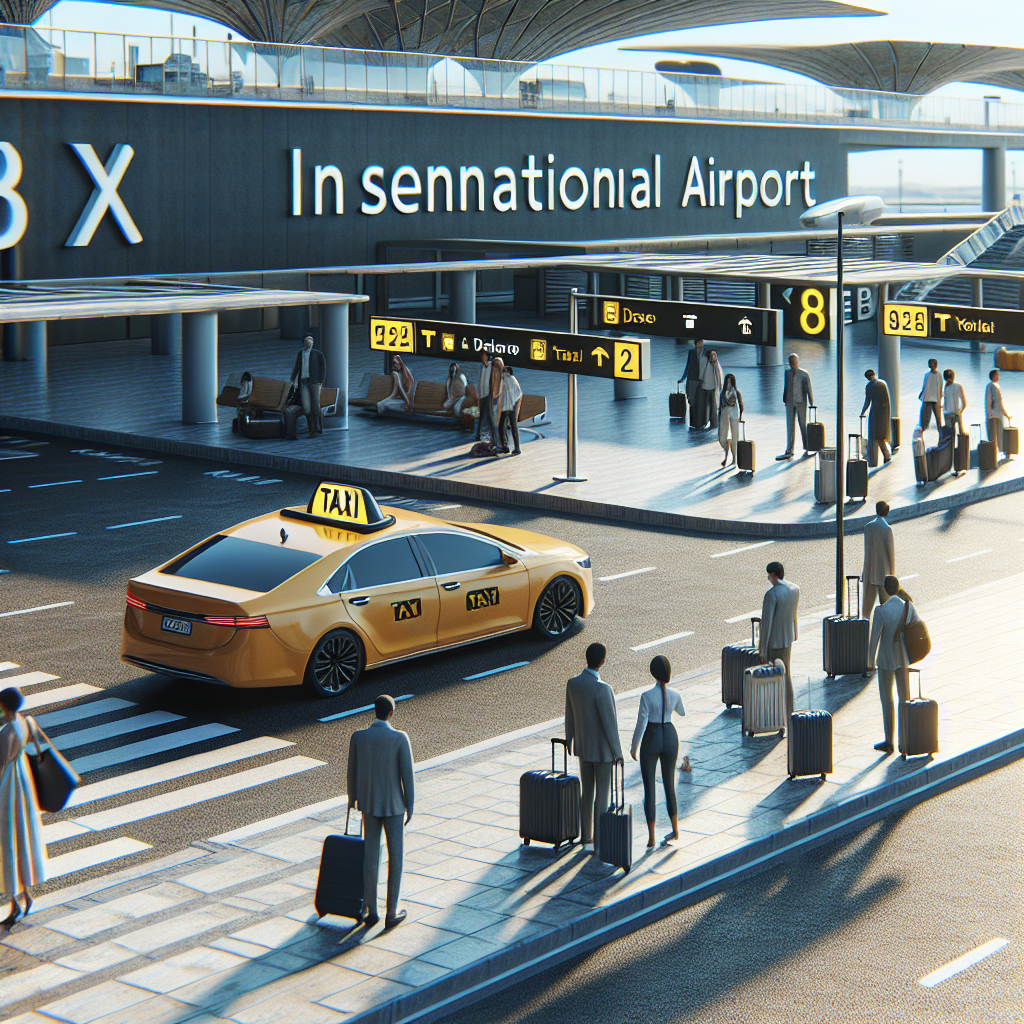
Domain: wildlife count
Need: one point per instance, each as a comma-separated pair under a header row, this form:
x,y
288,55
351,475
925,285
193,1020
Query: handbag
x,y
55,780
915,637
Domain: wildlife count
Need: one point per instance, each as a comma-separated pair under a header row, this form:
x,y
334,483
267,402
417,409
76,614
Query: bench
x,y
1009,360
270,395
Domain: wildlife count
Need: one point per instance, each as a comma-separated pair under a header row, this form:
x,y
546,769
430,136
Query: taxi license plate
x,y
182,626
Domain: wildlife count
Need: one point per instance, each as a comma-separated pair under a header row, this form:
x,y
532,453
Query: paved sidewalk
x,y
225,931
674,477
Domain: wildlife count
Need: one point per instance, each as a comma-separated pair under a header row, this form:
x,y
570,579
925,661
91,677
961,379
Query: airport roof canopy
x,y
146,298
914,68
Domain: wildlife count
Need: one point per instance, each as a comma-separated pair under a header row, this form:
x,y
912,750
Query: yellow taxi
x,y
318,594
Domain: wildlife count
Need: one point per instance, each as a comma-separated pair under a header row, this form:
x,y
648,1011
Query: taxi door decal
x,y
476,599
411,609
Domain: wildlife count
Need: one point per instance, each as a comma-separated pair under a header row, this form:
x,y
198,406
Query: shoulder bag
x,y
915,637
55,780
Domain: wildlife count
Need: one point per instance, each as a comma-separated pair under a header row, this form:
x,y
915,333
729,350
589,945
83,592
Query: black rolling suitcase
x,y
962,454
856,471
845,638
1011,441
919,723
736,659
677,404
895,442
939,458
815,434
615,829
810,744
549,803
339,885
745,452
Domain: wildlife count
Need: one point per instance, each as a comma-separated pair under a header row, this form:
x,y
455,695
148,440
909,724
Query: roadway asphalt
x,y
69,494
846,932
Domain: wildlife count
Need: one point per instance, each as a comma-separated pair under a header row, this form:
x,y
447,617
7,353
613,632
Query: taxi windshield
x,y
247,564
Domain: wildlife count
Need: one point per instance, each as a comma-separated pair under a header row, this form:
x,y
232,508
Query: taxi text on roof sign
x,y
585,354
963,323
334,503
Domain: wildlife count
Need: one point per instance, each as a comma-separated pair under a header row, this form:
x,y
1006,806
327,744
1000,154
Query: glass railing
x,y
64,60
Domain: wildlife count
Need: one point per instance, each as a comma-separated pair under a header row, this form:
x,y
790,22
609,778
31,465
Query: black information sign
x,y
961,323
585,354
807,311
748,325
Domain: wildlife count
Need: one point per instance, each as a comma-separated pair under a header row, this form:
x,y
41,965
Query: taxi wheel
x,y
557,608
335,664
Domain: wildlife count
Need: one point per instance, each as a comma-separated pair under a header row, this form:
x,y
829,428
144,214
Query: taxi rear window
x,y
248,564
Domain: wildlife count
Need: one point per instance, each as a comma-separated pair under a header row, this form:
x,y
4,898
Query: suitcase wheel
x,y
822,776
782,733
625,870
728,707
904,756
526,842
829,677
791,776
557,845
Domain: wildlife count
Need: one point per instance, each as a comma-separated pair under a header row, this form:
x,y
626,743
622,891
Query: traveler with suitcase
x,y
995,411
931,396
879,412
879,557
891,656
779,623
657,740
796,396
592,734
692,373
954,401
380,784
710,388
730,412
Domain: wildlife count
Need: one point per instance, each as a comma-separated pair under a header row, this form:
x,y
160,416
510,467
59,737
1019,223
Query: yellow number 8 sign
x,y
813,316
391,335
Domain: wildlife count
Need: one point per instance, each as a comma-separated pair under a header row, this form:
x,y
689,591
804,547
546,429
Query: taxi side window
x,y
377,565
451,552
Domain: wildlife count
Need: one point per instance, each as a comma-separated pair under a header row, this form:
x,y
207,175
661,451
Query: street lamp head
x,y
855,210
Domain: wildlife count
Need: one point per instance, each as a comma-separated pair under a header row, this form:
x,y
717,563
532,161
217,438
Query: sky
x,y
992,22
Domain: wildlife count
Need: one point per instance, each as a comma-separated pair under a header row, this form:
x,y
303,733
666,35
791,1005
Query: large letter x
x,y
104,196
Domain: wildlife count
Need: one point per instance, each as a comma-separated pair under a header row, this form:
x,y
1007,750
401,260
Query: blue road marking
x,y
124,476
495,671
143,522
358,711
48,536
56,483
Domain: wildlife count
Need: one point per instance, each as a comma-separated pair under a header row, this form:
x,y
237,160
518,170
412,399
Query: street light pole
x,y
840,426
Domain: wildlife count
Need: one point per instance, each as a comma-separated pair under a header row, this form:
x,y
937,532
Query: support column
x,y
768,355
993,178
165,334
334,345
462,296
199,367
888,355
977,299
33,336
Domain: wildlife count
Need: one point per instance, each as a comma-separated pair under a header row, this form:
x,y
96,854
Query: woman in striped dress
x,y
22,850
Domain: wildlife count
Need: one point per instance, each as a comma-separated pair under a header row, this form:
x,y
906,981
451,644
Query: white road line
x,y
359,711
27,679
61,830
746,617
89,710
39,608
143,522
153,745
109,730
746,547
6,666
263,483
175,769
663,640
202,791
268,824
57,696
495,671
90,856
961,963
973,554
623,575
124,476
56,483
46,536
910,576
444,508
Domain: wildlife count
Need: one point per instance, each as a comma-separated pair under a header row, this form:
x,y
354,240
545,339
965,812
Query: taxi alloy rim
x,y
336,663
558,607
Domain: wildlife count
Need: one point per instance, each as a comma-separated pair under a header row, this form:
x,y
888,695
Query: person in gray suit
x,y
879,558
797,394
380,785
592,731
308,376
876,399
778,623
892,656
692,374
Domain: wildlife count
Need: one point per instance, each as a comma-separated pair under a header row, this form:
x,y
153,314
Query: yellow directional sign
x,y
392,335
628,356
600,355
904,320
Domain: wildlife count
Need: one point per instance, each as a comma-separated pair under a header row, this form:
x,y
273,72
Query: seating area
x,y
1009,359
269,402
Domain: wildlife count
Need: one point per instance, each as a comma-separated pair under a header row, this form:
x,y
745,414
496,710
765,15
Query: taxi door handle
x,y
359,600
451,586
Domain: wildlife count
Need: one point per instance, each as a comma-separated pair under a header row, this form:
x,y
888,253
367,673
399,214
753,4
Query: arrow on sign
x,y
786,295
599,354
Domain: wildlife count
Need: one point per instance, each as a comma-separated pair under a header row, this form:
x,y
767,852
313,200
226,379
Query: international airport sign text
x,y
584,354
747,325
960,323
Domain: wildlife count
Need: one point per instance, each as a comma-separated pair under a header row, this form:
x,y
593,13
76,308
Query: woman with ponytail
x,y
658,741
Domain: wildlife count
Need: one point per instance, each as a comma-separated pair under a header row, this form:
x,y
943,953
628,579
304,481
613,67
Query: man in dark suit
x,y
796,396
592,731
308,375
694,368
879,410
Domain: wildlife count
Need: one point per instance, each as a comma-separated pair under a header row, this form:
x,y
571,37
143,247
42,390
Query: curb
x,y
531,956
446,487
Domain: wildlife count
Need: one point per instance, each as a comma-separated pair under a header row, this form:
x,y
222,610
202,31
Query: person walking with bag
x,y
779,630
797,394
954,401
995,410
694,365
22,850
879,557
730,412
657,739
931,397
879,410
711,385
892,661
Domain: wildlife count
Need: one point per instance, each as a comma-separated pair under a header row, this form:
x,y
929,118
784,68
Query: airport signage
x,y
584,354
807,311
960,323
747,325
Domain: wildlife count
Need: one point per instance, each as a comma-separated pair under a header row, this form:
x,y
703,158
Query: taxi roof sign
x,y
337,504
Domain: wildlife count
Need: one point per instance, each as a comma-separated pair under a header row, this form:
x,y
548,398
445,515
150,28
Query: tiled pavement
x,y
676,478
226,931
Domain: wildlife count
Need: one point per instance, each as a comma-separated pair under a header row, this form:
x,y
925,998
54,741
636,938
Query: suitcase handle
x,y
813,409
917,672
348,813
851,608
743,433
755,630
565,752
617,767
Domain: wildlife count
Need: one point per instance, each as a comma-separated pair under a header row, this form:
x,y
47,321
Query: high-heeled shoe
x,y
28,904
8,922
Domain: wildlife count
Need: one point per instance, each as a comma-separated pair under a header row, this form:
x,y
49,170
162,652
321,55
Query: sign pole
x,y
572,426
840,426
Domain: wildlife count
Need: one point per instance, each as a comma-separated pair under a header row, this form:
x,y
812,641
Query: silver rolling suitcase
x,y
764,699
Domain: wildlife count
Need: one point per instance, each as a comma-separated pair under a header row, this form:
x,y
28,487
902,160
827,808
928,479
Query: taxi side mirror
x,y
508,559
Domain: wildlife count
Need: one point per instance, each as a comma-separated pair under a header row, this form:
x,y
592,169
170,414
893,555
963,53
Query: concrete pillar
x,y
462,296
888,355
977,299
993,178
293,322
199,367
768,355
165,334
34,341
334,345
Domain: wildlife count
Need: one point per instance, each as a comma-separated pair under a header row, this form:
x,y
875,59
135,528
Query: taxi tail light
x,y
134,602
238,621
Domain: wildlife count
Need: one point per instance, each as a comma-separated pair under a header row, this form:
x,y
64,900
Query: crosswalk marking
x,y
91,710
81,737
177,799
153,745
57,696
26,679
6,666
175,769
90,856
60,830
